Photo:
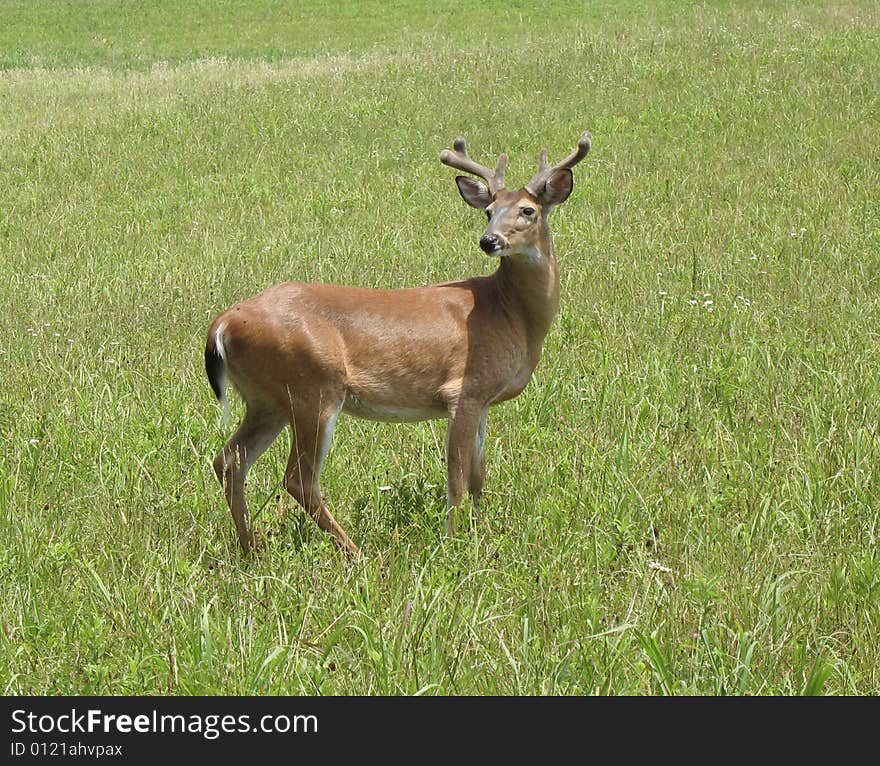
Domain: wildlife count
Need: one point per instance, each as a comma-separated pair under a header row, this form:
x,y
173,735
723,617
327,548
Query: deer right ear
x,y
557,188
473,192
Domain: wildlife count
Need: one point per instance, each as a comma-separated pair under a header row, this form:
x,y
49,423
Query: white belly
x,y
388,413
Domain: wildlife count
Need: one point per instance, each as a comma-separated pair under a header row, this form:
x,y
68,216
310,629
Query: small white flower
x,y
663,293
658,566
386,488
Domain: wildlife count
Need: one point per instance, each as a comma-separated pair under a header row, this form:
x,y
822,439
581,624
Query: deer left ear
x,y
473,192
557,188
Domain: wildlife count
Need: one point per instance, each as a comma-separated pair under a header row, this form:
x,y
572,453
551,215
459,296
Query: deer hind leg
x,y
462,439
257,431
312,433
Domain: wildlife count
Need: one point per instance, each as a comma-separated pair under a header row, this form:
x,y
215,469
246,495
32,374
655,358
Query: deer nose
x,y
489,243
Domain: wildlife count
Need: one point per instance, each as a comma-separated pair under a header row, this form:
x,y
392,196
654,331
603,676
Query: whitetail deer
x,y
300,354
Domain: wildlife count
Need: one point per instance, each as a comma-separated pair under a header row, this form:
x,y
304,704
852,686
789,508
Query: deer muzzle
x,y
490,243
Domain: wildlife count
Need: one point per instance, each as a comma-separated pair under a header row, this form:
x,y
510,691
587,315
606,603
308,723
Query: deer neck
x,y
529,291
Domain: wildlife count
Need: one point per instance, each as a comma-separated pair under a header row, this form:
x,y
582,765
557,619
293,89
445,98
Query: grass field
x,y
708,400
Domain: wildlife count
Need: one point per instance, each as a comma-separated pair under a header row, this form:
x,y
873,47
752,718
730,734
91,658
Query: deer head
x,y
517,219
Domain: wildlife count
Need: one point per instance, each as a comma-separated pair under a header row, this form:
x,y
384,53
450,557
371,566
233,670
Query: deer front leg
x,y
461,439
478,464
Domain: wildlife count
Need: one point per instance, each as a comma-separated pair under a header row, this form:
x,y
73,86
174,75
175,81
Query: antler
x,y
536,185
459,160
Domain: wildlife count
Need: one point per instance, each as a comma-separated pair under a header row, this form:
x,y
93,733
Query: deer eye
x,y
528,212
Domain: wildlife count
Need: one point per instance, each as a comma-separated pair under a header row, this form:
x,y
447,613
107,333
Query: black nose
x,y
489,243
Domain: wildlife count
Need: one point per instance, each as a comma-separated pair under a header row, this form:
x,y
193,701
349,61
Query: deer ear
x,y
557,188
473,192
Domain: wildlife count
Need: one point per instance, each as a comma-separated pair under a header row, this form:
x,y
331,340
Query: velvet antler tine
x,y
458,158
540,178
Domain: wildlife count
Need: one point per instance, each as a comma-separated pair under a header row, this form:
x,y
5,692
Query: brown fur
x,y
301,353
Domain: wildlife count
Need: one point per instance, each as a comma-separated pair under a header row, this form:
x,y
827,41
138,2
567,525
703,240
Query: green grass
x,y
707,401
